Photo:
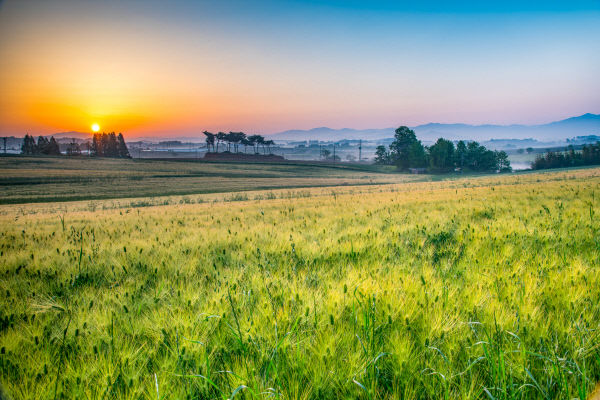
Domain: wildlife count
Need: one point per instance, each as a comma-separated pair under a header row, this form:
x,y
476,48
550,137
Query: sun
x,y
95,127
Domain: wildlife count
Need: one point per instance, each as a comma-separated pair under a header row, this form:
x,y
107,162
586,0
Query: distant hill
x,y
584,125
72,134
324,133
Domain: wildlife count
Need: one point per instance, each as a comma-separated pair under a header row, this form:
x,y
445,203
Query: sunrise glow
x,y
300,65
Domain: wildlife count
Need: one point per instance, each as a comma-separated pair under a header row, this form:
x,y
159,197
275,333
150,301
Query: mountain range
x,y
586,124
558,131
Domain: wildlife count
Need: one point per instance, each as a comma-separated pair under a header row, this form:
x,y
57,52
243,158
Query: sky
x,y
176,68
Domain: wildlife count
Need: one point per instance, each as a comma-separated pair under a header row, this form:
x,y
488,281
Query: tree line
x,y
109,145
235,139
589,155
43,146
407,152
103,145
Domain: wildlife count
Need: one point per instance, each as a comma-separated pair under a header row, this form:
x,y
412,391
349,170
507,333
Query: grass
x,y
49,179
486,287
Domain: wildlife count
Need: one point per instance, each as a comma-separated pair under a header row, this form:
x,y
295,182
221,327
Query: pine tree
x,y
103,145
112,147
42,145
96,149
53,148
123,151
28,147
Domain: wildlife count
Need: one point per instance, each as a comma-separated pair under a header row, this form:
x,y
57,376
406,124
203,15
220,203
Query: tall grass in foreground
x,y
429,291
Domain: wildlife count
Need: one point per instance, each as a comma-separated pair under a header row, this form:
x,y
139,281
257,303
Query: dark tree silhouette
x,y
220,138
246,142
123,151
269,143
42,145
96,149
29,146
255,140
73,149
210,140
52,148
261,141
109,145
589,155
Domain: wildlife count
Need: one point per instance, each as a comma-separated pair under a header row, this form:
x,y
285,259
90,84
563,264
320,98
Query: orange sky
x,y
177,68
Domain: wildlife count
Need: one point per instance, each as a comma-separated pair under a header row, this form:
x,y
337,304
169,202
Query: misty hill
x,y
326,134
71,134
584,125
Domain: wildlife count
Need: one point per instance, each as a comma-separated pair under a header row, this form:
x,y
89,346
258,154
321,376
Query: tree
x,y
269,143
382,156
406,151
112,146
502,162
460,154
229,138
96,149
441,155
210,140
479,158
42,145
254,141
220,138
246,142
122,149
261,141
529,150
29,146
589,155
52,147
240,138
73,149
109,145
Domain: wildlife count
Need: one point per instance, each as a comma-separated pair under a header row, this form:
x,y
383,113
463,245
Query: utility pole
x,y
334,153
359,149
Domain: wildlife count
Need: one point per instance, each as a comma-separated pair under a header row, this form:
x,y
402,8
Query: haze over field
x,y
172,69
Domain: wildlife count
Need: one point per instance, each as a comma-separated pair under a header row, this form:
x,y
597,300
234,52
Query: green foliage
x,y
382,156
39,179
589,155
441,155
479,288
406,151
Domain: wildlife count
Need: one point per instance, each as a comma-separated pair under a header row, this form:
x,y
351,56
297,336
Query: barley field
x,y
486,287
48,179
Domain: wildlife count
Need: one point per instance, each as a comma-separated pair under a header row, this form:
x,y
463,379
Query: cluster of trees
x,y
235,139
589,155
109,145
406,152
43,146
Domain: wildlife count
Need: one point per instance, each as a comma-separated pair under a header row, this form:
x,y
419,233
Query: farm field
x,y
479,287
47,179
